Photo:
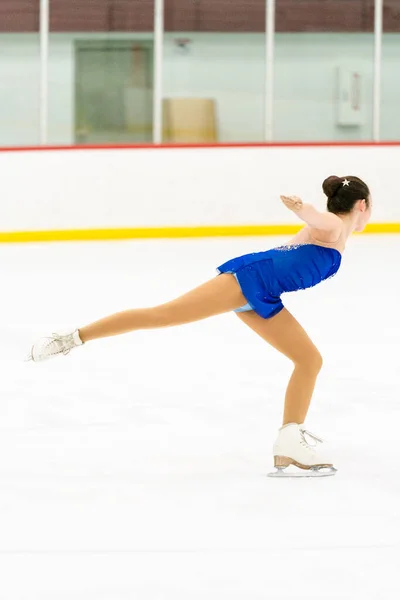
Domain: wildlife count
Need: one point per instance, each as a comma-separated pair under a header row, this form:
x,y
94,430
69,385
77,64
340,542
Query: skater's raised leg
x,y
214,297
219,295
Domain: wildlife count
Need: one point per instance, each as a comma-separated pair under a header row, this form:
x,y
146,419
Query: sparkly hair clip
x,y
345,182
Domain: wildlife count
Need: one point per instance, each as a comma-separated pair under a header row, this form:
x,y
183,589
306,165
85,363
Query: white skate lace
x,y
61,339
304,432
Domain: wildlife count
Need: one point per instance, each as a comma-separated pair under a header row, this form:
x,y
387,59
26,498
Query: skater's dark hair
x,y
343,193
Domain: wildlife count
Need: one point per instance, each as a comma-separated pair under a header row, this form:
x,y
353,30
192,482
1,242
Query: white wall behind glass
x,y
227,67
306,91
390,121
19,89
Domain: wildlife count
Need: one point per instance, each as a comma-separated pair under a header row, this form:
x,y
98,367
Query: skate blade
x,y
302,473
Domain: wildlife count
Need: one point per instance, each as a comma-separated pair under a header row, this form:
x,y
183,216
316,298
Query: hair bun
x,y
331,186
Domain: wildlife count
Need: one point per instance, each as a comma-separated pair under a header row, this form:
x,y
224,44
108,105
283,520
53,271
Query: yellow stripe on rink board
x,y
168,232
382,228
147,233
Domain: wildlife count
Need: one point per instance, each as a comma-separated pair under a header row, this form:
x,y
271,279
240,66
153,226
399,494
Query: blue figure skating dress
x,y
265,276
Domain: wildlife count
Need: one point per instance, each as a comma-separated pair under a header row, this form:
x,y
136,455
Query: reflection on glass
x,y
20,73
113,92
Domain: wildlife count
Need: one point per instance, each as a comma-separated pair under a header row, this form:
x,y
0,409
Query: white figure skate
x,y
54,345
292,449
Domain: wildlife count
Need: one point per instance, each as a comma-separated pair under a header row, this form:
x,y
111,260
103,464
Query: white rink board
x,y
114,188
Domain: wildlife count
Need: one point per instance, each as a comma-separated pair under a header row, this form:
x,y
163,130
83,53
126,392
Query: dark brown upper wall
x,y
325,15
19,15
102,15
198,15
391,16
215,15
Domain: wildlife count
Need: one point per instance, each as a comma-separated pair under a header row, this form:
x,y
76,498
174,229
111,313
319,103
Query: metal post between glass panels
x,y
269,69
44,68
158,70
378,28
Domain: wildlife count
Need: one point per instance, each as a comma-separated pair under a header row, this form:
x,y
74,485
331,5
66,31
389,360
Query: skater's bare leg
x,y
219,295
285,334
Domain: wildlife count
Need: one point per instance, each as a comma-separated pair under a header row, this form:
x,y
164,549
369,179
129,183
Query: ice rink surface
x,y
135,468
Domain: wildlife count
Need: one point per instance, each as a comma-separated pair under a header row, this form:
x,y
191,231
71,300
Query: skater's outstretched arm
x,y
314,218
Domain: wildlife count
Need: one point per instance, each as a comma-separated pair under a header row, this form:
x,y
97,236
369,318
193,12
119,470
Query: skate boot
x,y
292,449
46,348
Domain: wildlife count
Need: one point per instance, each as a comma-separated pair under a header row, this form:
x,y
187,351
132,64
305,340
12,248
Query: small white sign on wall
x,y
349,97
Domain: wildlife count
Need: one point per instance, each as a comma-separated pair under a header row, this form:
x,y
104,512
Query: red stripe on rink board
x,y
194,146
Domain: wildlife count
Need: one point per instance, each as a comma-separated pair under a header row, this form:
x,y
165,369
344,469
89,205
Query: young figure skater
x,y
252,285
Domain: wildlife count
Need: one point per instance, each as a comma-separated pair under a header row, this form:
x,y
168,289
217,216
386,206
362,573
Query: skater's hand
x,y
292,202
